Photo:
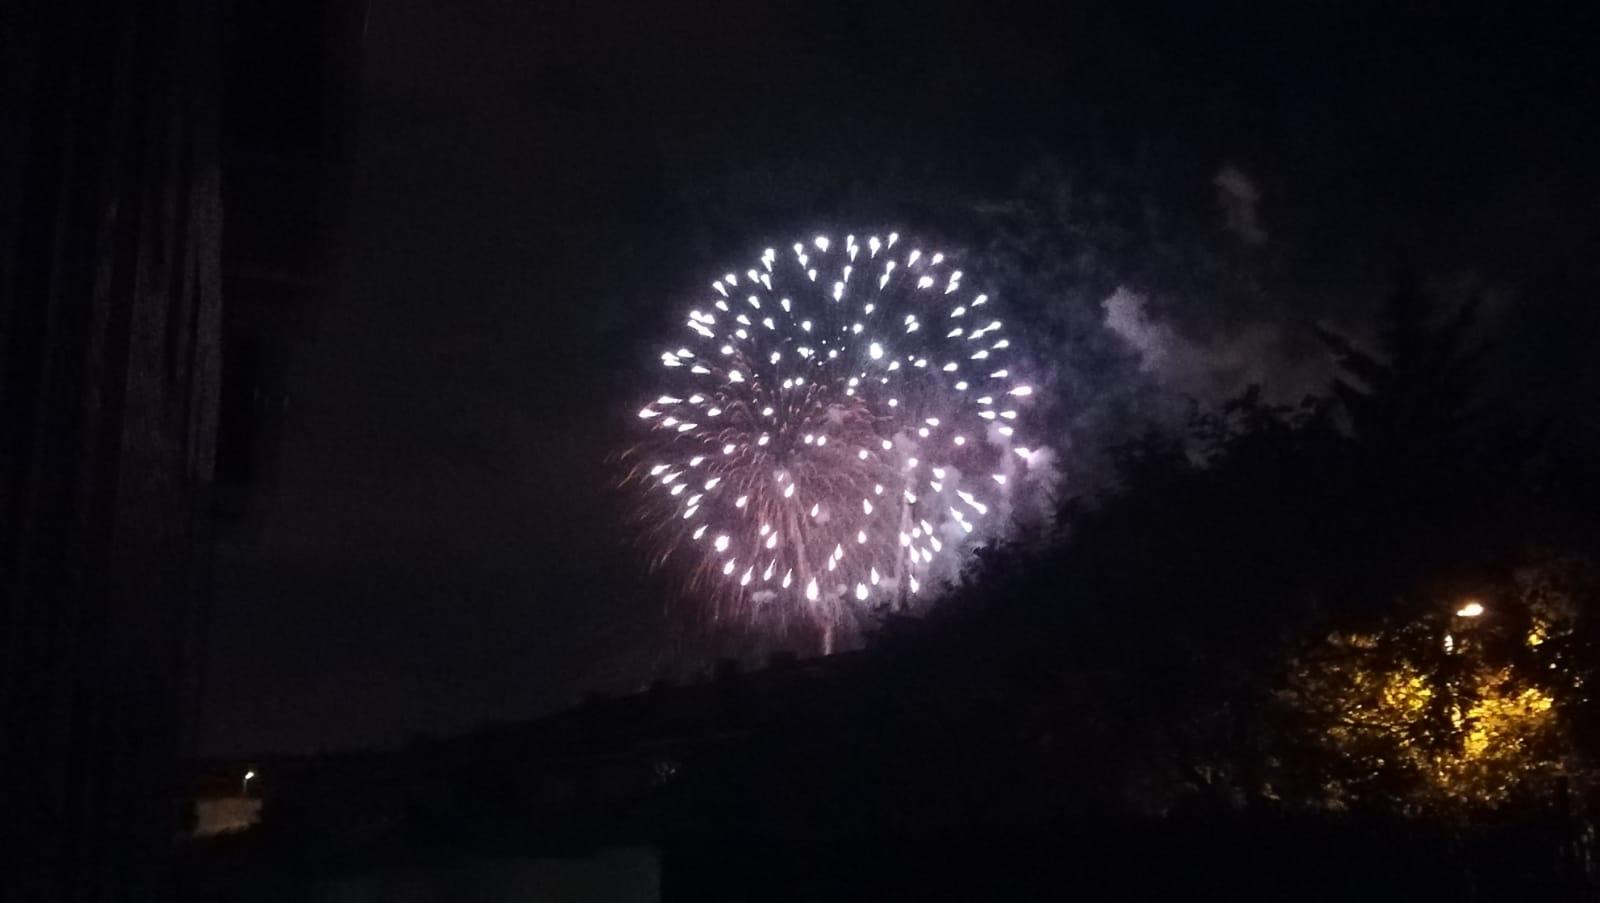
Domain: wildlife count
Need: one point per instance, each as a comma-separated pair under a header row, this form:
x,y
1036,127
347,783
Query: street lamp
x,y
1471,608
244,785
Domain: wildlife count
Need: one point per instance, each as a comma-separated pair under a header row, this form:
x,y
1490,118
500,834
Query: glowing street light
x,y
1470,610
244,785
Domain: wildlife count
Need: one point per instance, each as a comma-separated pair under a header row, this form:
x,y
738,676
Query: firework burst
x,y
838,429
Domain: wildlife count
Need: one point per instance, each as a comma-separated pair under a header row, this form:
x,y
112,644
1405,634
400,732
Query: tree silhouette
x,y
1430,477
1415,402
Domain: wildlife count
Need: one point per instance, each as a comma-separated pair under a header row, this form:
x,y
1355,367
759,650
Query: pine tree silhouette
x,y
1428,477
1415,402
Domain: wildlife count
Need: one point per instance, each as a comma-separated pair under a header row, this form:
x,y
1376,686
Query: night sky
x,y
539,186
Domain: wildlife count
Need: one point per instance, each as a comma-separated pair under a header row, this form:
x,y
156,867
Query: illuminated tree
x,y
1445,715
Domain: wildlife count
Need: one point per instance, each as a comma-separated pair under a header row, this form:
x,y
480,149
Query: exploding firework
x,y
840,420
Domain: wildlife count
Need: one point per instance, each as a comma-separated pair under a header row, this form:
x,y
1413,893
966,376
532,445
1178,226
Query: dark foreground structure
x,y
136,408
835,779
110,374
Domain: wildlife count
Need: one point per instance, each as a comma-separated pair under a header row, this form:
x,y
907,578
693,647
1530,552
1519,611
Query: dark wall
x,y
110,361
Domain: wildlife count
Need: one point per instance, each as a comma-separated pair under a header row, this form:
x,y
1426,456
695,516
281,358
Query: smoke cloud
x,y
1240,201
1210,369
